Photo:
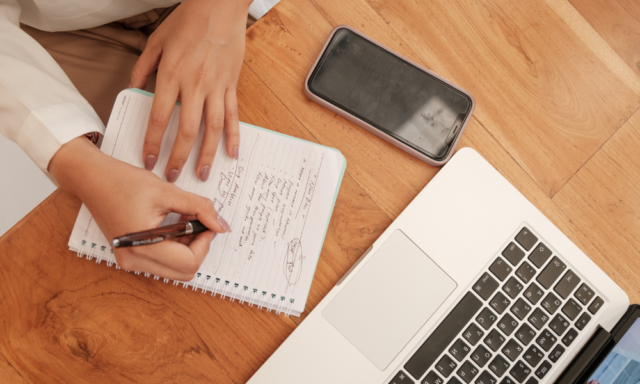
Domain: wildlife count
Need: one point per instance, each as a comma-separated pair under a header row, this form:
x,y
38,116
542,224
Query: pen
x,y
156,235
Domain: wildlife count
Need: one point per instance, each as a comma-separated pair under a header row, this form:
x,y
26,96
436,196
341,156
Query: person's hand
x,y
198,52
124,199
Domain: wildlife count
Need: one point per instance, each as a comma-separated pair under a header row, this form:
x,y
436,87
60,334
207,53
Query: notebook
x,y
277,197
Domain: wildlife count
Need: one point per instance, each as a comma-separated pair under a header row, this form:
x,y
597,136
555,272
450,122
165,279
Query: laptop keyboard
x,y
513,324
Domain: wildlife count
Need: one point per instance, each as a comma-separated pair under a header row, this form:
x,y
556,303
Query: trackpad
x,y
389,299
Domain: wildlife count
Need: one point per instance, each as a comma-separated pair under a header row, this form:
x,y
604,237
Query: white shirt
x,y
40,109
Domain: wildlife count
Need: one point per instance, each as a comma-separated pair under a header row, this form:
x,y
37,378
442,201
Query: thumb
x,y
190,204
146,64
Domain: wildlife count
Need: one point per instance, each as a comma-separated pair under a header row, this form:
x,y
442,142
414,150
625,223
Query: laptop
x,y
470,284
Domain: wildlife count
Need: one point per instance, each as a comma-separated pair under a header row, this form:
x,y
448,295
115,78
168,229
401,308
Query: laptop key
x,y
446,365
500,303
556,353
533,356
459,350
520,371
486,378
525,334
508,380
551,303
526,238
546,340
567,284
481,356
551,272
507,324
582,321
538,318
584,294
486,318
513,287
569,337
533,293
432,378
494,340
467,372
499,365
521,309
559,324
572,309
512,349
513,253
542,371
473,334
486,286
532,380
444,334
525,272
500,268
454,380
596,305
540,255
401,378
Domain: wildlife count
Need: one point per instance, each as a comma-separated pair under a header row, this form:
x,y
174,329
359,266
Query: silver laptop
x,y
470,284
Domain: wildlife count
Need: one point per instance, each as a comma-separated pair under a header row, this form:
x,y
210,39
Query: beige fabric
x,y
98,61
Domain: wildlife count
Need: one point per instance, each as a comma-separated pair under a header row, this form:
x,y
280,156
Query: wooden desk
x,y
556,114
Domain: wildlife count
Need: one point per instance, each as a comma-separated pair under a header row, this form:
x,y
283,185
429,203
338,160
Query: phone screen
x,y
389,93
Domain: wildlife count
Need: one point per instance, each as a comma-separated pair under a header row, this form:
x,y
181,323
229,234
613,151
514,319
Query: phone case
x,y
374,130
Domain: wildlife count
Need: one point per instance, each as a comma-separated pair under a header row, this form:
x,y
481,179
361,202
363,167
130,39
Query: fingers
x,y
161,110
190,118
187,203
168,259
147,63
232,123
214,124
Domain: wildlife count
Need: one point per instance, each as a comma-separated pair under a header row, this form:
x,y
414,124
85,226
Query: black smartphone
x,y
389,95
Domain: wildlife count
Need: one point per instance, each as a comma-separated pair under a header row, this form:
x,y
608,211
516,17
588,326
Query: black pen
x,y
156,235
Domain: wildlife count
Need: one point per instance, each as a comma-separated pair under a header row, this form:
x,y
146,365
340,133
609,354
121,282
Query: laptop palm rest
x,y
389,299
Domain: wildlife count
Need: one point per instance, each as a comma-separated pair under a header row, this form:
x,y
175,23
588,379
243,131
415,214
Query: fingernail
x,y
224,224
204,173
236,152
172,176
150,162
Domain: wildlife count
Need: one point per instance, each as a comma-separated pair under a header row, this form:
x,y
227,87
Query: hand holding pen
x,y
135,199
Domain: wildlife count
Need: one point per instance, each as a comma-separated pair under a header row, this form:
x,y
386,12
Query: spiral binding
x,y
251,296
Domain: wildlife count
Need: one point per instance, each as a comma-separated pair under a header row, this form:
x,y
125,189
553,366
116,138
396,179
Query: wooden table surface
x,y
558,91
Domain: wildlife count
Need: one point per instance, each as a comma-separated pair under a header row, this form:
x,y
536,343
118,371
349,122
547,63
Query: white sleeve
x,y
40,109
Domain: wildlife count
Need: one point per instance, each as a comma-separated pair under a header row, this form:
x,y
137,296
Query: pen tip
x,y
115,243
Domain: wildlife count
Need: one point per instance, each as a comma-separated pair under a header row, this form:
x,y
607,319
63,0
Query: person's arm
x,y
198,52
40,109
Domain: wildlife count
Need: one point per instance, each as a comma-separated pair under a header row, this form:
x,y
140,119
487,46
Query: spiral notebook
x,y
278,198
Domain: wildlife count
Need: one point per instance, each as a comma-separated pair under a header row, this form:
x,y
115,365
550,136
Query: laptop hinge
x,y
579,370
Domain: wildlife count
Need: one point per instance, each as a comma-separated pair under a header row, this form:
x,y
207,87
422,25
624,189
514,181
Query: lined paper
x,y
277,197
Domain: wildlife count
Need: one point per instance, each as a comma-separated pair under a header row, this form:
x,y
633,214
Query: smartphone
x,y
389,95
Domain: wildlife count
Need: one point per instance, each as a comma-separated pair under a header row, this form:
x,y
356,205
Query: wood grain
x,y
550,92
604,198
546,85
618,22
8,374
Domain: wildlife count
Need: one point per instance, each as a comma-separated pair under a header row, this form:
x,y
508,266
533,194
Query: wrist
x,y
74,164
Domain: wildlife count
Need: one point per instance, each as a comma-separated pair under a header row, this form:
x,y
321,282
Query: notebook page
x,y
277,197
